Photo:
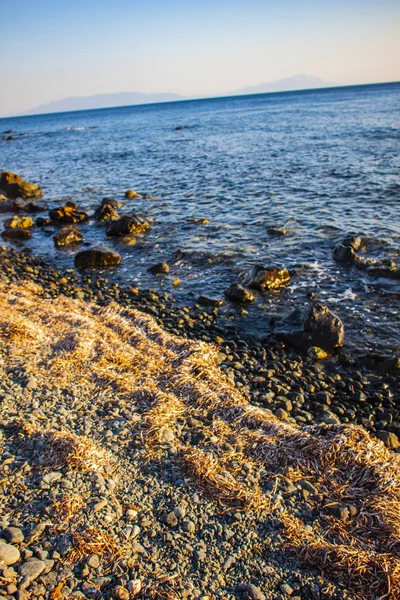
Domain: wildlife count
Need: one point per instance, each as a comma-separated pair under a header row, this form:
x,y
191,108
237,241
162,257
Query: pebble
x,y
13,535
30,570
250,591
8,554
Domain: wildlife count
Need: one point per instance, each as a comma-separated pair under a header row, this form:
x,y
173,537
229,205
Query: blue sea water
x,y
323,163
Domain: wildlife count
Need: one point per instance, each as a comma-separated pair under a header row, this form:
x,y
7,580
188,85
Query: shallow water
x,y
323,163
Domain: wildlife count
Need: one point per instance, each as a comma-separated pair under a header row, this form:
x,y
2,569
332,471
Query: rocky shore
x,y
134,466
151,450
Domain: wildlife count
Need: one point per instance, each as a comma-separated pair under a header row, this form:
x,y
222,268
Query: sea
x,y
215,175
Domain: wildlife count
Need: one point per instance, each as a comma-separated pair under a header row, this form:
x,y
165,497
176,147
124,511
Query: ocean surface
x,y
322,163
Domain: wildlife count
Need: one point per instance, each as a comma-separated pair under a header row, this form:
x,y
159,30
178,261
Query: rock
x,y
8,554
134,586
338,511
316,353
318,327
346,250
179,512
31,569
189,526
170,519
248,591
206,301
19,223
323,328
265,278
391,366
277,230
67,236
68,213
128,224
237,293
159,268
107,211
97,258
13,535
390,439
93,561
229,562
16,234
121,593
52,477
42,222
132,194
286,589
15,187
32,207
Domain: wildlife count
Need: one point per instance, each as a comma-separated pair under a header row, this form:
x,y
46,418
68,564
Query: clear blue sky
x,y
50,49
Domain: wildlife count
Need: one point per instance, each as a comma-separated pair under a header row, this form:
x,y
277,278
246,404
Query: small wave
x,y
81,128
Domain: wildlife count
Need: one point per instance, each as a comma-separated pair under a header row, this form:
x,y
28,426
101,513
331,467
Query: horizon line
x,y
194,99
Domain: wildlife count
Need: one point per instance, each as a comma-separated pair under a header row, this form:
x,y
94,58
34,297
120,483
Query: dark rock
x,y
214,302
390,439
170,519
97,258
15,187
32,207
67,236
128,224
107,211
180,127
159,268
262,278
391,366
16,234
346,250
323,328
320,327
338,511
68,214
42,222
237,293
248,591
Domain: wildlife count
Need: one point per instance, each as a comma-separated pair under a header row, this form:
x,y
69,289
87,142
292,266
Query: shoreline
x,y
140,470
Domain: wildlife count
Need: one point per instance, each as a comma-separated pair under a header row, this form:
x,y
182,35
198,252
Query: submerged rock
x,y
132,194
277,230
16,234
107,211
261,278
97,258
19,223
15,187
67,236
206,301
238,293
68,213
128,224
319,327
159,268
42,222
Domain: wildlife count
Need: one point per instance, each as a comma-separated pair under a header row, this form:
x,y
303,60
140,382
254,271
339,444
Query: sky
x,y
52,49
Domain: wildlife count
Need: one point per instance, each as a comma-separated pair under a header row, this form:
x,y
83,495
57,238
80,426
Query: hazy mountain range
x,y
297,82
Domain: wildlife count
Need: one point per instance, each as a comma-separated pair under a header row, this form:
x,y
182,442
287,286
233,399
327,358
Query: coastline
x,y
151,466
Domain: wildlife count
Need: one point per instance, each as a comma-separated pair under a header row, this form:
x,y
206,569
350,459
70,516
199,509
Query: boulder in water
x,y
107,211
319,327
132,194
67,236
101,257
42,222
262,278
19,223
68,213
238,293
159,269
345,251
13,233
128,224
15,187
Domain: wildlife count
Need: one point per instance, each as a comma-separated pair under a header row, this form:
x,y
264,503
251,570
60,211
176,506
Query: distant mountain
x,y
297,82
101,101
